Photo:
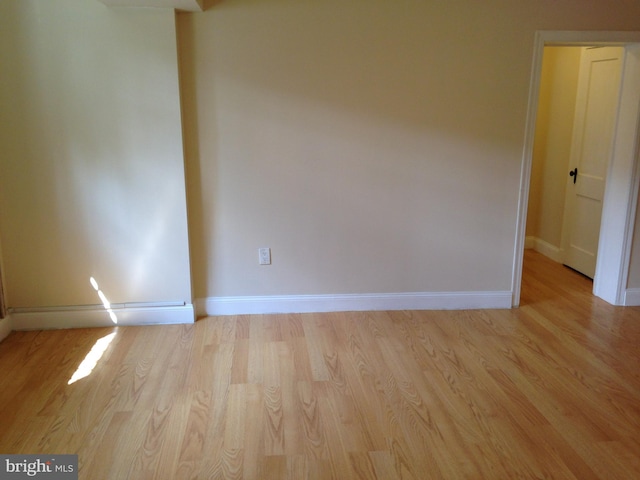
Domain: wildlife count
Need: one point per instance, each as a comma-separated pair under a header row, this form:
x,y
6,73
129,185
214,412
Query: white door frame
x,y
621,190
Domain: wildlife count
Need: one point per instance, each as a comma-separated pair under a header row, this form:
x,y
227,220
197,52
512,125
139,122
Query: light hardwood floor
x,y
550,390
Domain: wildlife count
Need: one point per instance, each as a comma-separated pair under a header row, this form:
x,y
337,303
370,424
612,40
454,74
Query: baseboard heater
x,y
80,316
97,306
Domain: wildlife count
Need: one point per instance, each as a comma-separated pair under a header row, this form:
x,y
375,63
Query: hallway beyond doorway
x,y
544,279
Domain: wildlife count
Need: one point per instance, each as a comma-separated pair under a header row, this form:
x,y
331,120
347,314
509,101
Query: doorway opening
x,y
621,189
577,102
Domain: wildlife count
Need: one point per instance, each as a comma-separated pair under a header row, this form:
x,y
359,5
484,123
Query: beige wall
x,y
362,147
375,147
552,149
91,175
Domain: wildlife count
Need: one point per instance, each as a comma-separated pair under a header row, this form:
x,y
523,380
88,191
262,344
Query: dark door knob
x,y
574,173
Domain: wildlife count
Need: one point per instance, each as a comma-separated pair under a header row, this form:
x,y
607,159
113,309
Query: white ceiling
x,y
184,5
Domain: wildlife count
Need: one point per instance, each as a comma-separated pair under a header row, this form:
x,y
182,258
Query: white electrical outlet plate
x,y
264,256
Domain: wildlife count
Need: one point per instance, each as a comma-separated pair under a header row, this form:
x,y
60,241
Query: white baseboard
x,y
355,302
5,327
632,297
545,248
94,316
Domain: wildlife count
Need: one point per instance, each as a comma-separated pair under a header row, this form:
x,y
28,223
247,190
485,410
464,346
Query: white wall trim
x,y
93,316
5,327
525,170
632,297
351,302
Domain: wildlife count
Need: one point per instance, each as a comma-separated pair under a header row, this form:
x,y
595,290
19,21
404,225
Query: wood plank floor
x,y
547,391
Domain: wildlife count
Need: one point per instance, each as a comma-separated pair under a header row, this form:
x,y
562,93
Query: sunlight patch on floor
x,y
93,357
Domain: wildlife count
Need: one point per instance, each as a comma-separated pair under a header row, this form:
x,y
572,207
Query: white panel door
x,y
596,106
